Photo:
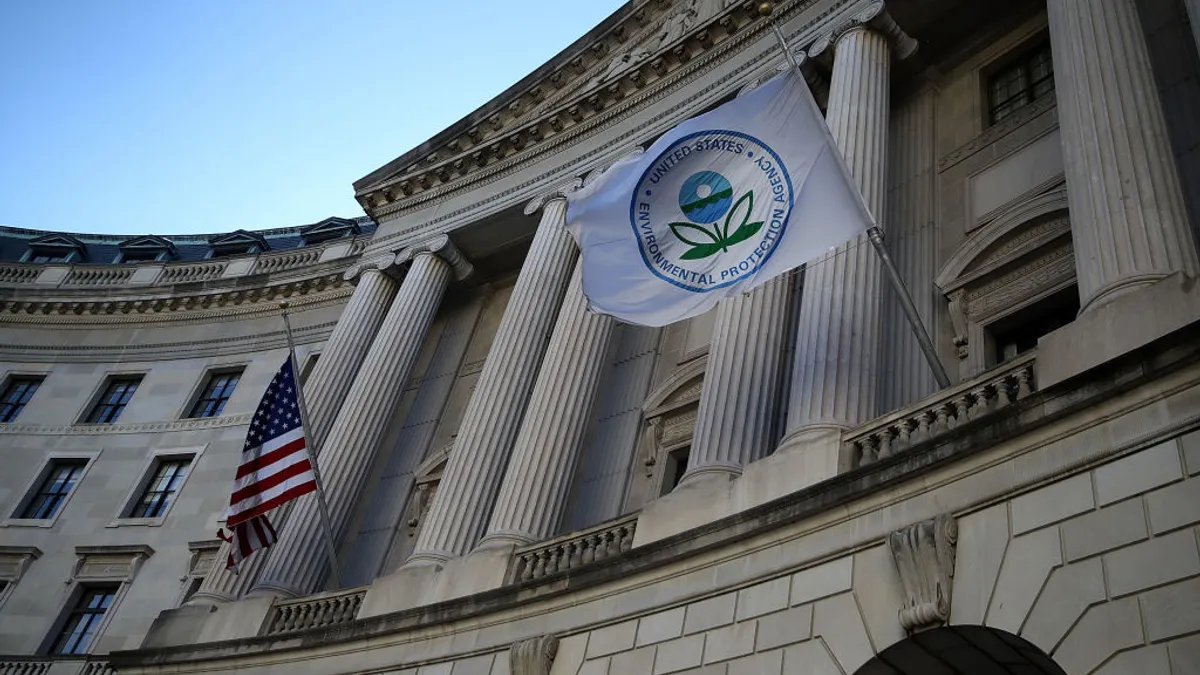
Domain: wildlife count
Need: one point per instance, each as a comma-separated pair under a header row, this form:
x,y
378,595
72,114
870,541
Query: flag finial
x,y
283,304
766,8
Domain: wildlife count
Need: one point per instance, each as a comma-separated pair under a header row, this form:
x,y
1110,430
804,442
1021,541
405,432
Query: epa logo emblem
x,y
711,209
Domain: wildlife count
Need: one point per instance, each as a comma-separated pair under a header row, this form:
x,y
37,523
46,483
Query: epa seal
x,y
711,209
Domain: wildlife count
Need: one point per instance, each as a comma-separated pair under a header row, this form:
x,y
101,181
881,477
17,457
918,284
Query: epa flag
x,y
717,206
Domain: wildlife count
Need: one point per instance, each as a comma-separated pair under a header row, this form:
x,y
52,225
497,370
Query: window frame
x,y
75,607
95,401
124,515
34,482
209,375
7,383
1020,56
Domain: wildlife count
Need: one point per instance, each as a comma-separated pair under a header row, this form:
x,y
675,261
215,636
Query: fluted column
x,y
836,370
1128,223
462,505
324,392
537,484
297,562
739,406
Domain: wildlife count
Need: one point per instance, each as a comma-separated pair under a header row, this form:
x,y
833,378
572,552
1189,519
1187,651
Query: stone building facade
x,y
517,485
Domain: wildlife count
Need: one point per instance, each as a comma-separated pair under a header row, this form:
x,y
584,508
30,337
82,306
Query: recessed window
x,y
677,461
1020,82
309,364
1018,333
113,399
160,490
16,394
84,620
58,482
216,393
129,256
50,257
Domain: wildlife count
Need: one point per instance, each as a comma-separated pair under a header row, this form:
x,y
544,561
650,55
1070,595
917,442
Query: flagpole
x,y
312,452
874,233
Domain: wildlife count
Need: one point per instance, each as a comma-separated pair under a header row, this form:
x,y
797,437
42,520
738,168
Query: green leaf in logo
x,y
743,233
749,199
701,251
679,228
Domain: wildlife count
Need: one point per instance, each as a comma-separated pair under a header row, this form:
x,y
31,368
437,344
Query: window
x,y
49,257
129,256
113,400
1020,82
1016,334
216,394
59,481
84,620
677,461
16,394
160,490
307,368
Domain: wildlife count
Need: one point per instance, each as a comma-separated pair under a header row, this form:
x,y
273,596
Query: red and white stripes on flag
x,y
247,538
275,468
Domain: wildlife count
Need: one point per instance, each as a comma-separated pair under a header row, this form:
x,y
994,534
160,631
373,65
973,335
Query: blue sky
x,y
170,116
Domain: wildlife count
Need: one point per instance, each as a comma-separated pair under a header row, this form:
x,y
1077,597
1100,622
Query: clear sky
x,y
178,116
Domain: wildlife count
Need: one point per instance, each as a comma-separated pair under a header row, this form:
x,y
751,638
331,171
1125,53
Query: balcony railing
x,y
939,414
54,665
314,611
19,274
574,550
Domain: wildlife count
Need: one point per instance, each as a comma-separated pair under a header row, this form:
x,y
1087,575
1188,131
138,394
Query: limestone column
x,y
1128,222
835,375
297,563
324,391
739,406
537,484
462,505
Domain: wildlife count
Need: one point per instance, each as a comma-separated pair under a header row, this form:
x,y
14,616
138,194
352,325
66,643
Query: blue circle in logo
x,y
705,196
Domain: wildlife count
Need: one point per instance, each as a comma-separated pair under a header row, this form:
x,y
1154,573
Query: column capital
x,y
384,262
559,192
873,16
440,246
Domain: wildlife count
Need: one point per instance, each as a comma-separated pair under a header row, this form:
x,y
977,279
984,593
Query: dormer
x,y
238,242
55,248
148,248
330,228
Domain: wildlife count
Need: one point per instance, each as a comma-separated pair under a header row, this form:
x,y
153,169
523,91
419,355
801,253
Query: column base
x,y
1119,289
275,591
726,470
504,540
427,558
820,447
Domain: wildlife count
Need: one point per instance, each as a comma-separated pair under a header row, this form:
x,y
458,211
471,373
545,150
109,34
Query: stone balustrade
x,y
46,665
314,611
188,272
947,410
573,550
141,275
107,275
21,273
286,260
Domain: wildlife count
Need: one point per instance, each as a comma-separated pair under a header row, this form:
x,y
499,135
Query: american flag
x,y
275,468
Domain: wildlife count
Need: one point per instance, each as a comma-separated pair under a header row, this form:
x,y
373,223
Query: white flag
x,y
720,204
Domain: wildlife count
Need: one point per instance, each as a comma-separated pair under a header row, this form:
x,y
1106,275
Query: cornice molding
x,y
582,162
206,308
997,131
133,428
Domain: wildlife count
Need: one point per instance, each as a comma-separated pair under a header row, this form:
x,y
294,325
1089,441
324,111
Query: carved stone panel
x,y
534,656
924,556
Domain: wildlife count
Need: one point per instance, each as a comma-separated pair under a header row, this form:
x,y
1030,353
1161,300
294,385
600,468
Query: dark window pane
x,y
85,618
113,400
215,394
161,489
1024,80
16,395
53,491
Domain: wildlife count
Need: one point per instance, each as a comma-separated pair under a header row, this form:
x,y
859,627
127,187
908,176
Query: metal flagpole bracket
x,y
312,452
767,10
